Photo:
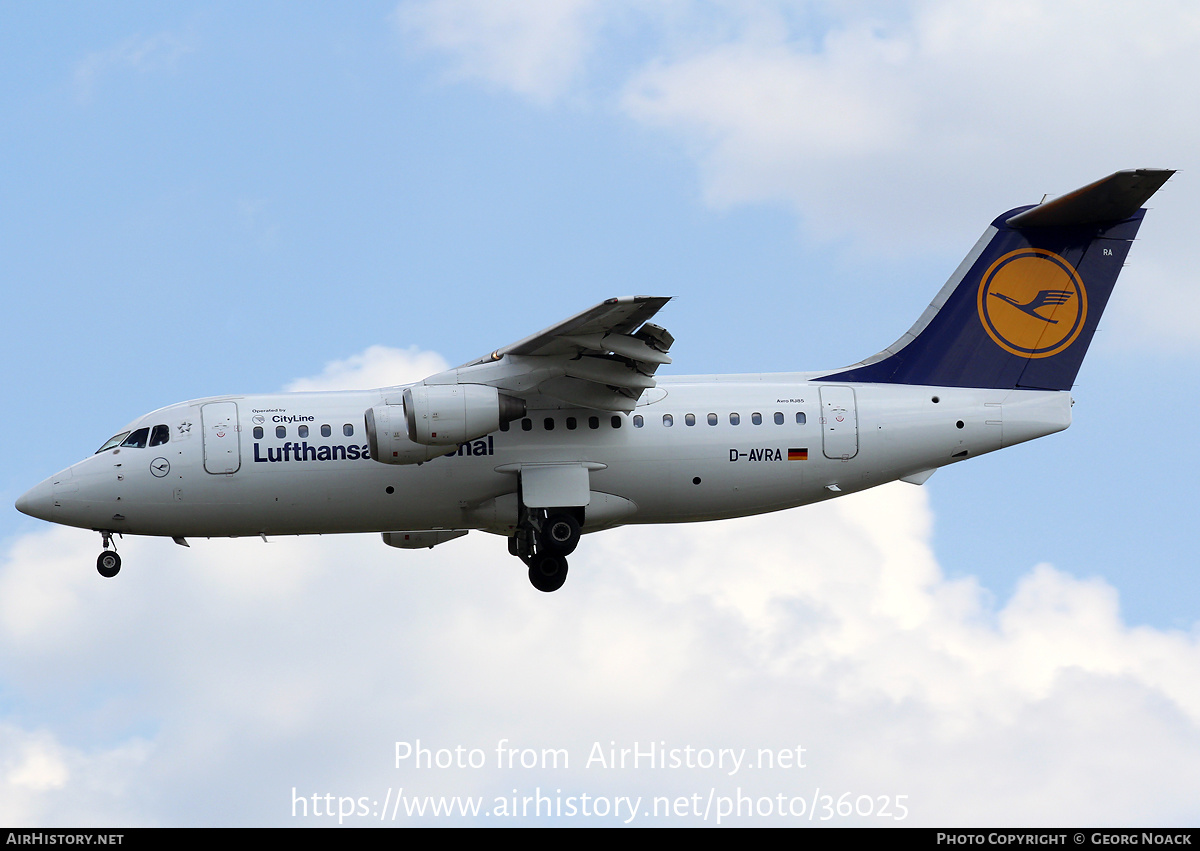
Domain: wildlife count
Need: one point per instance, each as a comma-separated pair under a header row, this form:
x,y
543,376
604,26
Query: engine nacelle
x,y
450,414
387,434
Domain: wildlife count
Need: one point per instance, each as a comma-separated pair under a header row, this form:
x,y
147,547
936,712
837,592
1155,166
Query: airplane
x,y
572,431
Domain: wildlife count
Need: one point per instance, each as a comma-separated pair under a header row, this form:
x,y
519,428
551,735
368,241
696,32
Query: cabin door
x,y
222,450
839,422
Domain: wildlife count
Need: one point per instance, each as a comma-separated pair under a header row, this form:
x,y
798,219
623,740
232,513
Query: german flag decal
x,y
797,454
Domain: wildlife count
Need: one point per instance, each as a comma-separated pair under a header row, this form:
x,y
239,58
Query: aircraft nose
x,y
38,501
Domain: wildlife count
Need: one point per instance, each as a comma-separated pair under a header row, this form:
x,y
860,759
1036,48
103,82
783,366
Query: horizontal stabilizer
x,y
1113,199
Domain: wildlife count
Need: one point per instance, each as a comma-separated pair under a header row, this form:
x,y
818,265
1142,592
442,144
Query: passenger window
x,y
756,418
548,423
800,418
302,431
689,419
593,422
572,423
527,424
258,432
638,422
138,439
160,435
668,420
616,422
348,430
778,418
712,419
503,426
735,419
326,431
281,431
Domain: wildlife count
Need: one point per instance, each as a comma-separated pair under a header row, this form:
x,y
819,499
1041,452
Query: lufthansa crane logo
x,y
1032,303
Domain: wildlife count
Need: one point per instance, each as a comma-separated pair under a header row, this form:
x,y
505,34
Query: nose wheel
x,y
108,563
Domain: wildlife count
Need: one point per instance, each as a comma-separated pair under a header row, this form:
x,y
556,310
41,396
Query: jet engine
x,y
434,417
387,435
450,414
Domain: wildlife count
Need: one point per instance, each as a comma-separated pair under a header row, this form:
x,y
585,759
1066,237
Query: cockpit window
x,y
160,435
115,440
137,440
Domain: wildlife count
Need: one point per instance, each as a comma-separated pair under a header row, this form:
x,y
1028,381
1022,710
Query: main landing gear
x,y
108,563
543,541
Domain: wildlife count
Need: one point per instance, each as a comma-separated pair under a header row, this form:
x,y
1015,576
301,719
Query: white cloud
x,y
378,366
159,52
301,662
884,117
897,128
203,685
536,48
37,765
43,781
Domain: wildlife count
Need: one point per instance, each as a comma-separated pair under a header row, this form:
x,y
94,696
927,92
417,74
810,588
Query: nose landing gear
x,y
108,563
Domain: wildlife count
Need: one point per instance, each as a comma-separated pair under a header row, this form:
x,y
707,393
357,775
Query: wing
x,y
603,358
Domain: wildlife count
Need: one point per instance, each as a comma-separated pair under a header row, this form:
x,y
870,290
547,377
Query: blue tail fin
x,y
1021,309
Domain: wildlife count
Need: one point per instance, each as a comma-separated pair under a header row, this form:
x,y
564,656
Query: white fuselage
x,y
221,477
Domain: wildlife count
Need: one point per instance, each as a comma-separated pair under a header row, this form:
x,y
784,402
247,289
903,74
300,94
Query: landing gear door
x,y
222,452
839,422
555,485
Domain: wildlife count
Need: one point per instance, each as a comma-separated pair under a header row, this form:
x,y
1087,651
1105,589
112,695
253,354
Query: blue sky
x,y
203,199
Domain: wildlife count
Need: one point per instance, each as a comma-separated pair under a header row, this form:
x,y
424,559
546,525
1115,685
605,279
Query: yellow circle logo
x,y
1032,303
